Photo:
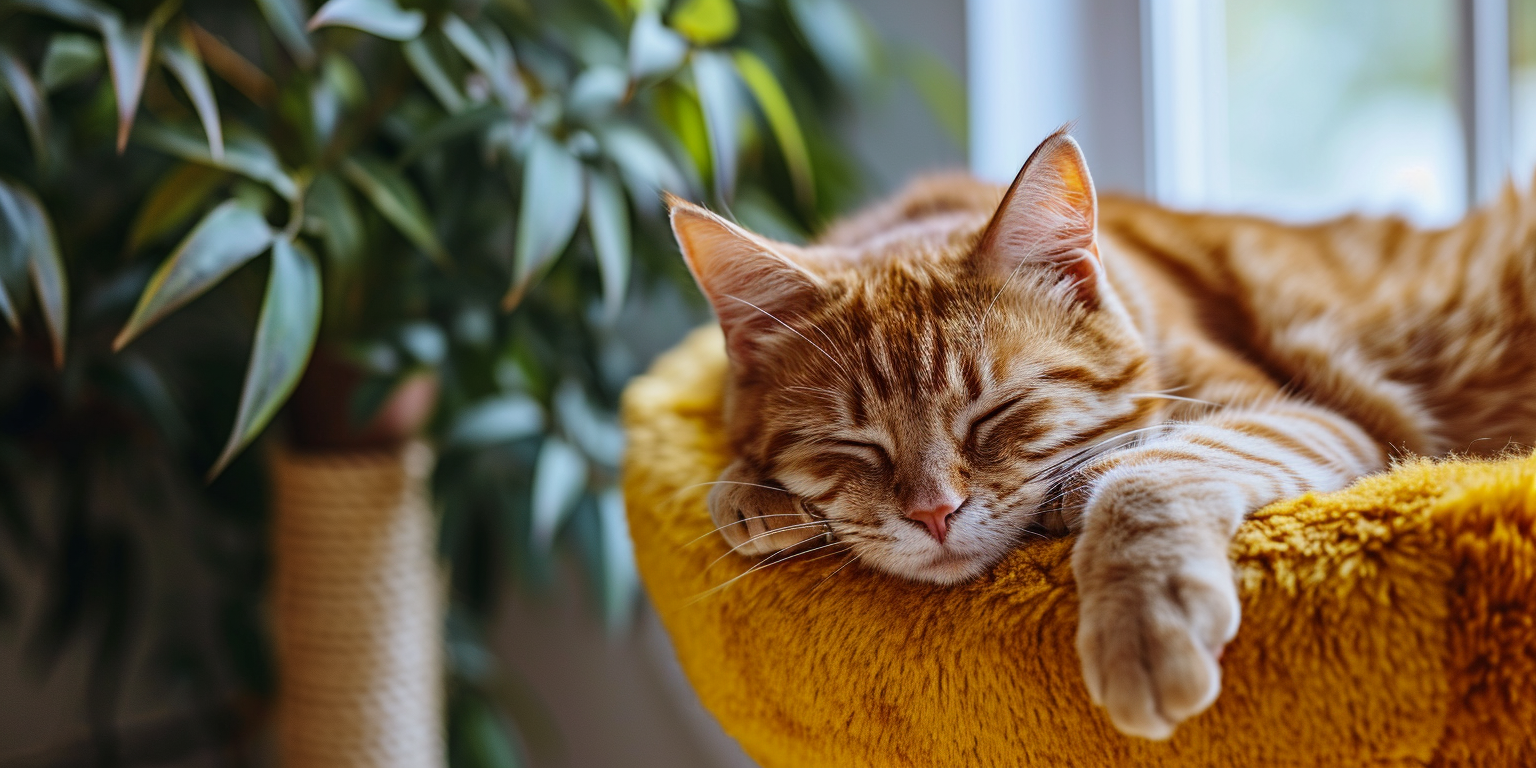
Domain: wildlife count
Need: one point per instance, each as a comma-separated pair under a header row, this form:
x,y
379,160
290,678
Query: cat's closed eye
x,y
990,417
866,449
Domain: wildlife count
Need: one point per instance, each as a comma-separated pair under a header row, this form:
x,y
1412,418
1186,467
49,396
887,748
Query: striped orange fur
x,y
962,365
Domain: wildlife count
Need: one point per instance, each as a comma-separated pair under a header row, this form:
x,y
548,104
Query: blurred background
x,y
234,228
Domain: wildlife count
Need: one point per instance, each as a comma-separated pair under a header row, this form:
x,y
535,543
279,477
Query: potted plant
x,y
385,220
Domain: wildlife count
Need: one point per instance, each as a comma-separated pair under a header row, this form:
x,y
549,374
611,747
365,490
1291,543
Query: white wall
x,y
1036,65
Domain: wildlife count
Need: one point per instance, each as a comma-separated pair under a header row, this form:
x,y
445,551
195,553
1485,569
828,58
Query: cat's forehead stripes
x,y
912,337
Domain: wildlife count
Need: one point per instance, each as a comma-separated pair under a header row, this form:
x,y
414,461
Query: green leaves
x,y
646,166
341,227
837,36
29,101
35,234
13,254
86,13
71,58
620,579
608,223
458,144
480,738
468,43
244,154
472,120
397,201
597,92
382,18
559,477
550,208
427,67
229,236
180,56
48,277
226,238
127,46
174,199
492,56
128,59
716,84
781,118
706,22
497,420
285,336
286,18
654,50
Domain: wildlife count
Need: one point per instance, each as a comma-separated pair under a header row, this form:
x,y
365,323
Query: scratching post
x,y
359,610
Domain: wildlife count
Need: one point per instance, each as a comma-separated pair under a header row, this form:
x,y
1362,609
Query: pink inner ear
x,y
1048,216
753,287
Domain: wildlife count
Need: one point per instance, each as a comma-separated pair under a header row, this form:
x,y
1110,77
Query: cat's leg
x,y
757,517
1158,600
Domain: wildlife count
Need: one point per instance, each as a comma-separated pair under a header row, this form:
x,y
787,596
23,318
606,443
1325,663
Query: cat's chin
x,y
945,568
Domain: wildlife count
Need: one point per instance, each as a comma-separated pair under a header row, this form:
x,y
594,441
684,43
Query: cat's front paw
x,y
757,518
1150,637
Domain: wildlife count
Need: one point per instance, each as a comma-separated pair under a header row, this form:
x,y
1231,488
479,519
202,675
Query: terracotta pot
x,y
321,411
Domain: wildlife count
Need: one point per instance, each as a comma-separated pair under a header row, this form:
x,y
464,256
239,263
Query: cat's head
x,y
916,389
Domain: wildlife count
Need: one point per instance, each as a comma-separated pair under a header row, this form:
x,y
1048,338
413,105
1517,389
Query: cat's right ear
x,y
753,287
1047,219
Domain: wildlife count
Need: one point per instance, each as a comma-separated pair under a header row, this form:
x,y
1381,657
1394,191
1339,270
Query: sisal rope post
x,y
359,610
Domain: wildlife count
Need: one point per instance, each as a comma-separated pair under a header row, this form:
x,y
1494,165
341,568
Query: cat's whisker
x,y
761,565
792,329
830,342
717,529
1035,533
1093,452
1064,467
770,556
853,558
817,390
687,488
1064,492
1163,396
1168,390
1027,258
828,554
797,527
1076,458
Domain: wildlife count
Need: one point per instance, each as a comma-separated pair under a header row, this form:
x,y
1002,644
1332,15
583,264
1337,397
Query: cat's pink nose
x,y
935,517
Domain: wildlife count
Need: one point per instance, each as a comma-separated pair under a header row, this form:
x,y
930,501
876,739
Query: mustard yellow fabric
x,y
1388,624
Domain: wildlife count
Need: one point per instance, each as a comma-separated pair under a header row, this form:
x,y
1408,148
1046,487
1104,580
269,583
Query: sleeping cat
x,y
949,370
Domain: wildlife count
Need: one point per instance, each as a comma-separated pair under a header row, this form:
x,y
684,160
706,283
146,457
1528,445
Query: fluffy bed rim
x,y
1392,623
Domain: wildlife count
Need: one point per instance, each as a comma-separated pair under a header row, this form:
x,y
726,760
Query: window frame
x,y
1146,85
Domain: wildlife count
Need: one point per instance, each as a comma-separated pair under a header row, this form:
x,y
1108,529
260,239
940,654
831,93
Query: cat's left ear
x,y
1048,218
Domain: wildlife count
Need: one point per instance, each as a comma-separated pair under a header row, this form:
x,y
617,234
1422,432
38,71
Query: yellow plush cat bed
x,y
1391,623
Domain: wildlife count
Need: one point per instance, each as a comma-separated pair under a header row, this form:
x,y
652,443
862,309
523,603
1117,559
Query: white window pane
x,y
1339,106
1522,54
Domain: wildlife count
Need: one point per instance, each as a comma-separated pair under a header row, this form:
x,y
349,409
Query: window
x,y
1298,109
1523,89
1332,106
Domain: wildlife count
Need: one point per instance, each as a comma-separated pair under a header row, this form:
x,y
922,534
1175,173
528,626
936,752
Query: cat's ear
x,y
1048,217
751,283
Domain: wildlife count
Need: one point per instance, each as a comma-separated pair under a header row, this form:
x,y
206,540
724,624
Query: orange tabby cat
x,y
955,367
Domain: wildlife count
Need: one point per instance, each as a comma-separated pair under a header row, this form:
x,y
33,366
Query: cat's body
x,y
951,368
